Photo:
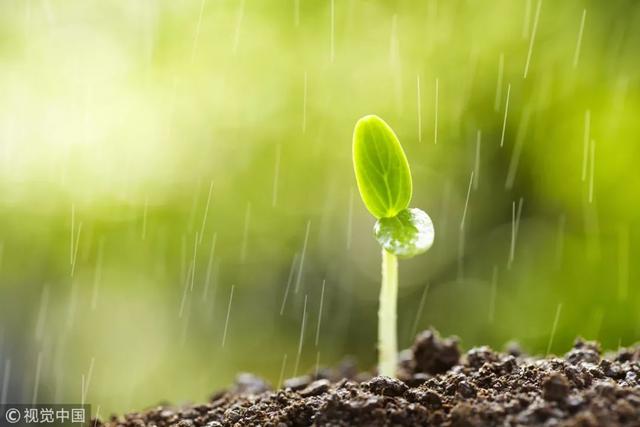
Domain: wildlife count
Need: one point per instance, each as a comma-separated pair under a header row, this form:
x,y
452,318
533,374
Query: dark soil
x,y
438,386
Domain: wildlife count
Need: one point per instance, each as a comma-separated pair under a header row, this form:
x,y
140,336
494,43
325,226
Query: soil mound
x,y
437,386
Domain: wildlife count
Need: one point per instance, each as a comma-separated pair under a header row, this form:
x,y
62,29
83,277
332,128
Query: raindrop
x,y
197,33
236,37
466,203
226,322
554,327
304,104
585,143
276,175
36,383
144,218
623,262
245,233
87,382
515,226
207,280
75,249
576,55
592,167
333,29
302,256
506,112
435,113
416,320
320,312
496,102
517,150
296,13
206,212
526,20
419,108
476,174
282,368
300,342
533,37
560,239
289,280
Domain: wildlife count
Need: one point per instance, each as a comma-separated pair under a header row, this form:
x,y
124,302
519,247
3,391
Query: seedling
x,y
384,180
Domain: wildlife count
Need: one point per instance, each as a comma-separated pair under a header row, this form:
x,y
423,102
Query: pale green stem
x,y
387,315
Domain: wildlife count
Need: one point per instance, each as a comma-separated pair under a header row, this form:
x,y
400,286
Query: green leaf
x,y
407,234
381,167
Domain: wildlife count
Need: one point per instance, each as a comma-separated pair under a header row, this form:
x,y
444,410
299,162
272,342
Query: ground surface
x,y
439,386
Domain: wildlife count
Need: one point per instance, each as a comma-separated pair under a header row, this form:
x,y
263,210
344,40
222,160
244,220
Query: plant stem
x,y
387,315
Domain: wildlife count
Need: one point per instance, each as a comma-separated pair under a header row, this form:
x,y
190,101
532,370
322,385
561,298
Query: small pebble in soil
x,y
316,388
386,386
555,387
250,384
297,383
433,355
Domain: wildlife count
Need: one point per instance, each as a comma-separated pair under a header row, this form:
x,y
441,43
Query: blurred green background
x,y
156,156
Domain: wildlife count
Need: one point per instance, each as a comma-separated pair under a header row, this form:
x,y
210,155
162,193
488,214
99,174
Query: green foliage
x,y
407,234
384,181
381,167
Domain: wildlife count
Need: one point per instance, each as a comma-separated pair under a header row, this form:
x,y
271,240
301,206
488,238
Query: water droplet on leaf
x,y
407,234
